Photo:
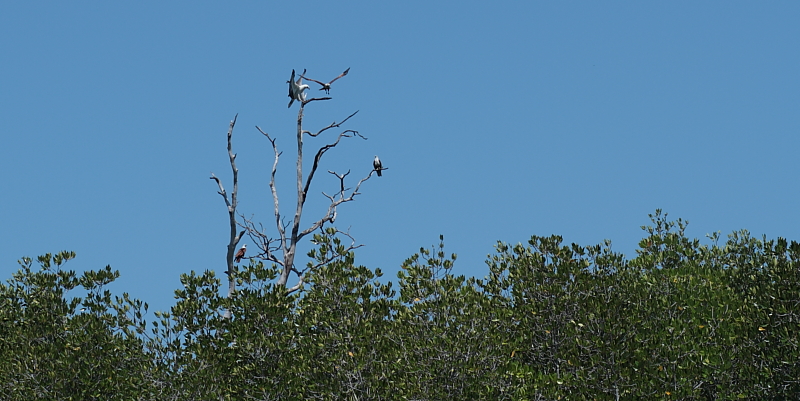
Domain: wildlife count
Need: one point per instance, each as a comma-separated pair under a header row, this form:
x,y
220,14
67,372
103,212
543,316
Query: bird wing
x,y
291,85
343,74
314,80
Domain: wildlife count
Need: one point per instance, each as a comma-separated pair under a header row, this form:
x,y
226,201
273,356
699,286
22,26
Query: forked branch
x,y
266,244
231,203
345,134
314,99
335,125
336,199
278,223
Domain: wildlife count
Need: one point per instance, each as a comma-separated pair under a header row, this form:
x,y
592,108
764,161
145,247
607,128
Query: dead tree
x,y
281,248
231,202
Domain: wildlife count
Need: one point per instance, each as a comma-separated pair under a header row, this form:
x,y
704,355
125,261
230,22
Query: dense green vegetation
x,y
680,320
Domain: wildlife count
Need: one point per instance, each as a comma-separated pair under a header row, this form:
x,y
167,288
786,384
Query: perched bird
x,y
326,87
240,254
296,89
377,164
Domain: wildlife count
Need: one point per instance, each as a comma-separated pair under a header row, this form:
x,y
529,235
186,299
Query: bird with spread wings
x,y
296,89
326,86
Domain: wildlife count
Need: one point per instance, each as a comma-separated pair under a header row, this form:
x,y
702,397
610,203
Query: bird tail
x,y
379,172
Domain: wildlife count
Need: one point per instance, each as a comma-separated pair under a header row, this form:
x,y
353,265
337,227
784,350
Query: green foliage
x,y
680,320
451,332
76,348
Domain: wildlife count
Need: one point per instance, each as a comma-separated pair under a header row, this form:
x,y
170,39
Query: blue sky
x,y
497,122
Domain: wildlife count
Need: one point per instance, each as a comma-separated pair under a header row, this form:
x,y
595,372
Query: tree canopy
x,y
679,320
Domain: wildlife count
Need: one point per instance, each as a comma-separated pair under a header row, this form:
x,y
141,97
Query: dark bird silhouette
x,y
326,87
377,165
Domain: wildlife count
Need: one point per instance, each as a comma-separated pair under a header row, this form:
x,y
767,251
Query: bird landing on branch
x,y
297,89
326,86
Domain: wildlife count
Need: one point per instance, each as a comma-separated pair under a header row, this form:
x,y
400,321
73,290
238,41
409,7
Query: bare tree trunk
x,y
231,204
288,258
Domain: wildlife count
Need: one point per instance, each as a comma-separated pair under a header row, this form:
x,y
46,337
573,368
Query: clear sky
x,y
497,122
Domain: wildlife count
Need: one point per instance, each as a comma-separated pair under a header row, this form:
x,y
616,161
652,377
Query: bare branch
x,y
341,178
290,245
330,215
235,170
296,286
273,188
321,151
335,125
305,102
221,189
262,241
231,205
355,191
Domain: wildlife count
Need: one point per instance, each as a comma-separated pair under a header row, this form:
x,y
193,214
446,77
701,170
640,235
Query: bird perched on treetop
x,y
240,254
326,87
296,89
377,165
